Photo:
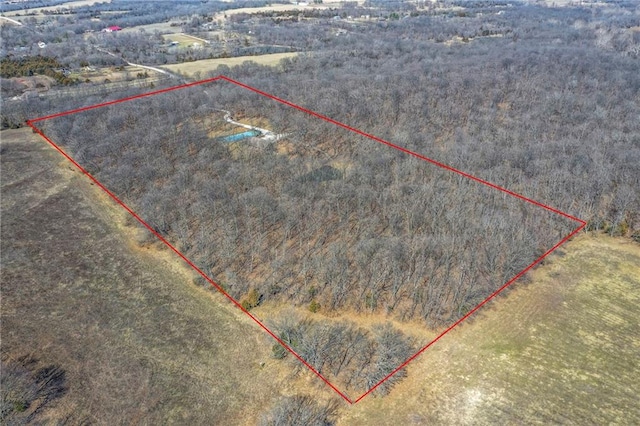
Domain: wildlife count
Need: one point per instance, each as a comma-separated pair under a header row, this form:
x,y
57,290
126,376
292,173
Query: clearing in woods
x,y
184,40
205,65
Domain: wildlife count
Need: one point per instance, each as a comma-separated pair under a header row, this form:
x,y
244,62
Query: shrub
x,y
278,351
301,410
251,300
314,306
27,391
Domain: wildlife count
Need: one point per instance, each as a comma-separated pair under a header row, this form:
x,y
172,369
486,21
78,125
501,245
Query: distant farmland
x,y
190,68
69,5
183,39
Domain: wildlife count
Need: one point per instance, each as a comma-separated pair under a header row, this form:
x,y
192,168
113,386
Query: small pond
x,y
239,136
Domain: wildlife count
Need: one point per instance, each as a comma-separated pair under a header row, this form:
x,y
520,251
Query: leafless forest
x,y
543,101
322,217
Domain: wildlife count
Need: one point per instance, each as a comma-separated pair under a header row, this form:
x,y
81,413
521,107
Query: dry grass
x,y
184,39
138,341
562,349
99,75
67,5
205,65
163,27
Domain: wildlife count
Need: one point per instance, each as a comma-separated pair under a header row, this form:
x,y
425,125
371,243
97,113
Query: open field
x,y
113,74
561,350
68,5
92,80
137,340
272,8
205,65
184,40
163,27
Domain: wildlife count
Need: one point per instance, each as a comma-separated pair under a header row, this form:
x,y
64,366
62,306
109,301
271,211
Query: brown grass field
x,y
560,350
205,65
67,5
163,27
184,39
141,344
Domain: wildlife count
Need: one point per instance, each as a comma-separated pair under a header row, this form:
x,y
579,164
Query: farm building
x,y
112,29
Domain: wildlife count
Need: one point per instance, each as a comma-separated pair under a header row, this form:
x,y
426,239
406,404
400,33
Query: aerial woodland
x,y
541,101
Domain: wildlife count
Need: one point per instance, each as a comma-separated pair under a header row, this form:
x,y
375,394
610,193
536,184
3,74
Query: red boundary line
x,y
399,148
471,312
347,127
175,250
117,101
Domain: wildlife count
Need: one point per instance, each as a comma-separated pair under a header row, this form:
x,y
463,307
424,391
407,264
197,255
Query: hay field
x,y
205,65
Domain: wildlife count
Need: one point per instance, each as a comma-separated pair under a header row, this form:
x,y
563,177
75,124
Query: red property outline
x,y
582,223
